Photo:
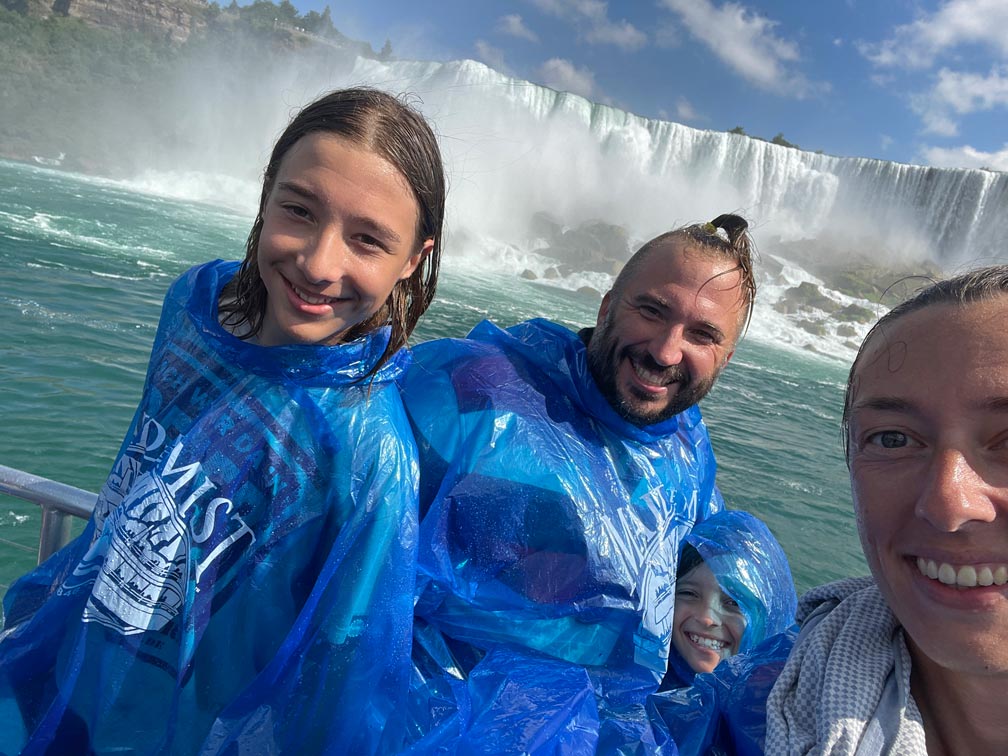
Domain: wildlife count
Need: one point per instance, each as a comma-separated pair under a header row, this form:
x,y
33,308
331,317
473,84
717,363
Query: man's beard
x,y
604,363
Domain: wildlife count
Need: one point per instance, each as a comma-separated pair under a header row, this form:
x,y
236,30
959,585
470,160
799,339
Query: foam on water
x,y
236,194
79,323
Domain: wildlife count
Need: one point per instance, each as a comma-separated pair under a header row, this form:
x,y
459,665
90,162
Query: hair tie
x,y
719,231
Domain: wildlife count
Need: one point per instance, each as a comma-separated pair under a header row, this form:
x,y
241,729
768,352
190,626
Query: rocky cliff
x,y
176,19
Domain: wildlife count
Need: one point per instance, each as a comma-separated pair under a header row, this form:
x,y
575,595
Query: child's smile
x,y
707,625
339,232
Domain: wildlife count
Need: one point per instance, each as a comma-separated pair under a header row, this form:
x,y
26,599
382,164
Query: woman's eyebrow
x,y
896,404
996,404
883,403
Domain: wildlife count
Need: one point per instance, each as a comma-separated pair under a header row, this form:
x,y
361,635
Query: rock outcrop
x,y
592,246
175,19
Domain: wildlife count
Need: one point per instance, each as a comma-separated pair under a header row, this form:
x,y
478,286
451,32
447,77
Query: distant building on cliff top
x,y
175,18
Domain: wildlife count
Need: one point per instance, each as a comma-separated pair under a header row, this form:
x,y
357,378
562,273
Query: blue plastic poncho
x,y
722,710
245,584
751,567
549,523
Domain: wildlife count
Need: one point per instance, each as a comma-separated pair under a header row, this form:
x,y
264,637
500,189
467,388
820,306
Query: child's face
x,y
339,231
707,625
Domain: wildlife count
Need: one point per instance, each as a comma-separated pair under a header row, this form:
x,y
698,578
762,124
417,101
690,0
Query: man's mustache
x,y
668,373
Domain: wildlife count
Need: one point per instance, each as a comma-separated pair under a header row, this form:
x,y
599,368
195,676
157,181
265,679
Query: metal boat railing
x,y
59,503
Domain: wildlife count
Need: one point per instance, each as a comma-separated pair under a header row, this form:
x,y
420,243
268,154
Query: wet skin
x,y
929,475
660,343
708,624
339,231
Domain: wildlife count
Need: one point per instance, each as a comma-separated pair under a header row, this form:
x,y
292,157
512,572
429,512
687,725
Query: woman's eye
x,y
889,439
730,604
686,593
297,211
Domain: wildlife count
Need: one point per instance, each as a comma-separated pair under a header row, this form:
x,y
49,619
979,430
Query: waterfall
x,y
514,148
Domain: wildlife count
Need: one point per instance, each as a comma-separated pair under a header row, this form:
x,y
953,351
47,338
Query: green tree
x,y
287,13
311,22
779,139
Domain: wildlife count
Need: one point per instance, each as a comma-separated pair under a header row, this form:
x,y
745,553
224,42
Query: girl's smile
x,y
307,300
339,232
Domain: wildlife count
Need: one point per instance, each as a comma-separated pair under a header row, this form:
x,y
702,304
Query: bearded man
x,y
559,472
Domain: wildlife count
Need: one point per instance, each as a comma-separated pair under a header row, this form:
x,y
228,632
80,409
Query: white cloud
x,y
937,122
515,27
932,37
563,75
960,93
747,43
885,141
591,20
969,92
623,34
965,157
490,55
685,111
958,22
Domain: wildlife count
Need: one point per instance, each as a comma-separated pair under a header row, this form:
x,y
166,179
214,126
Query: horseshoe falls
x,y
548,192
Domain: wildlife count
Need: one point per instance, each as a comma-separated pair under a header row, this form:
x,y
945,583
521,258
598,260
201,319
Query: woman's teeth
x,y
966,576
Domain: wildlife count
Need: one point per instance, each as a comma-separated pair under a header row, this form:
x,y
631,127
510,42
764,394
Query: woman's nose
x,y
954,492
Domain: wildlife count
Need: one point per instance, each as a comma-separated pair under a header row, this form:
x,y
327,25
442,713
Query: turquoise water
x,y
84,264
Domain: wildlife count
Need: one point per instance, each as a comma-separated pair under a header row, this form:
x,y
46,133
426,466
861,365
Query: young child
x,y
733,590
246,580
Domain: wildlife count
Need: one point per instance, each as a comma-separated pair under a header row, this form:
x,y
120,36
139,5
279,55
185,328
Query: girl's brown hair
x,y
379,122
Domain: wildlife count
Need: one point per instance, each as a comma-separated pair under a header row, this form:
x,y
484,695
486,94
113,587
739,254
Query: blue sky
x,y
921,82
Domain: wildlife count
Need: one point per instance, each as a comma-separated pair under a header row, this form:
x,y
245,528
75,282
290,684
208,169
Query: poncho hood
x,y
751,567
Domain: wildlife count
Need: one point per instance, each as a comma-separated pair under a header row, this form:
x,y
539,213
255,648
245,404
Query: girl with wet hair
x,y
246,580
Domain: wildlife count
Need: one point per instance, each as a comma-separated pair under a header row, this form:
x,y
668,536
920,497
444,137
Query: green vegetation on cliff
x,y
86,90
779,139
56,66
